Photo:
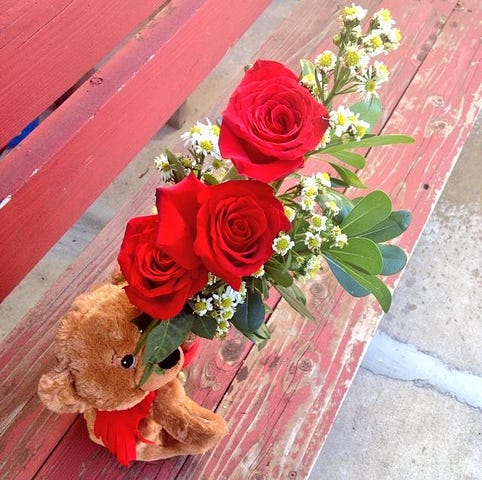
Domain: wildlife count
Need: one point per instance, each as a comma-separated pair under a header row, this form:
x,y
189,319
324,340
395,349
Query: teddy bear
x,y
97,374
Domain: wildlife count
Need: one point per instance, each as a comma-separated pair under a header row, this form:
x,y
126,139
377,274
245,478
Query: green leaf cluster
x,y
358,264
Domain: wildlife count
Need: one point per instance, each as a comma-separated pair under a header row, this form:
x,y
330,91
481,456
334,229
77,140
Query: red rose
x,y
270,123
236,225
177,207
157,284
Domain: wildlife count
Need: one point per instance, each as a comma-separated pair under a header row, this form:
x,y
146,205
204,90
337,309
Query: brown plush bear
x,y
98,375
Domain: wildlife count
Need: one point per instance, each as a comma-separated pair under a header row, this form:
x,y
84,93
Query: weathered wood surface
x,y
281,402
51,178
45,47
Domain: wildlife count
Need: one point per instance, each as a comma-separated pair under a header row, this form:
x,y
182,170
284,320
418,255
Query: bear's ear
x,y
57,392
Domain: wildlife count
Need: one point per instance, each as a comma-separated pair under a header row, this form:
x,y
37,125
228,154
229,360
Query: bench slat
x,y
46,47
301,389
281,411
61,168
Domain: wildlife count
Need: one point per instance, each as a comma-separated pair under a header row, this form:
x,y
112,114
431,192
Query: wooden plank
x,y
72,156
278,428
33,337
33,340
46,47
167,469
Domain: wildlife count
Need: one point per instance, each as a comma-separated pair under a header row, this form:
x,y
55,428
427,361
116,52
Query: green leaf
x,y
209,179
370,211
351,158
394,259
204,327
177,167
142,341
361,253
166,337
148,369
369,111
346,281
307,67
278,273
296,299
391,227
233,174
261,286
260,337
365,281
368,141
348,176
249,316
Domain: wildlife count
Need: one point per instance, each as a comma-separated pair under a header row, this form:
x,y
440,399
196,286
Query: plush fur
x,y
92,339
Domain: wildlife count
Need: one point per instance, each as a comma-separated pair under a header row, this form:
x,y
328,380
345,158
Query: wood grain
x,y
280,403
46,47
51,178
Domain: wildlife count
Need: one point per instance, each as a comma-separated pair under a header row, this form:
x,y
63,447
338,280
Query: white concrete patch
x,y
401,361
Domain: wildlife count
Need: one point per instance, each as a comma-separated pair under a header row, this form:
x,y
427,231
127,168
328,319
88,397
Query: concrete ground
x,y
414,409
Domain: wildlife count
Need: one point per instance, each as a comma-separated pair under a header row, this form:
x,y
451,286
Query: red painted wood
x,y
46,47
304,372
294,405
57,172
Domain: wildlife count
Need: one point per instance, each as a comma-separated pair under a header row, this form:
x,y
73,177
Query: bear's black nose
x,y
142,322
171,361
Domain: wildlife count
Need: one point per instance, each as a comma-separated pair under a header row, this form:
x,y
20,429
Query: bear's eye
x,y
128,361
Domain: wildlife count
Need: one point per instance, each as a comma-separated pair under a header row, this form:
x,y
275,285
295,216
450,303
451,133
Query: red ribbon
x,y
119,429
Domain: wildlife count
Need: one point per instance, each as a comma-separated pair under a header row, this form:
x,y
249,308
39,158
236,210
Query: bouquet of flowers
x,y
236,217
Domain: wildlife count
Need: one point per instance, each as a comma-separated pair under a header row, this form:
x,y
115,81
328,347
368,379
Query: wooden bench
x,y
280,403
147,60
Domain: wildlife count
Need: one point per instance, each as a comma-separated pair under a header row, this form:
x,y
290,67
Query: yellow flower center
x,y
370,85
352,58
324,60
206,145
385,14
349,11
376,42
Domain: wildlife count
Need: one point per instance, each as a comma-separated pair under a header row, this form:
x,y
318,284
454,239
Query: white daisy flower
x,y
373,43
318,222
162,164
282,244
259,273
202,305
323,179
340,238
313,266
353,13
332,207
341,119
383,18
326,61
313,241
203,138
308,203
381,71
355,58
222,328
